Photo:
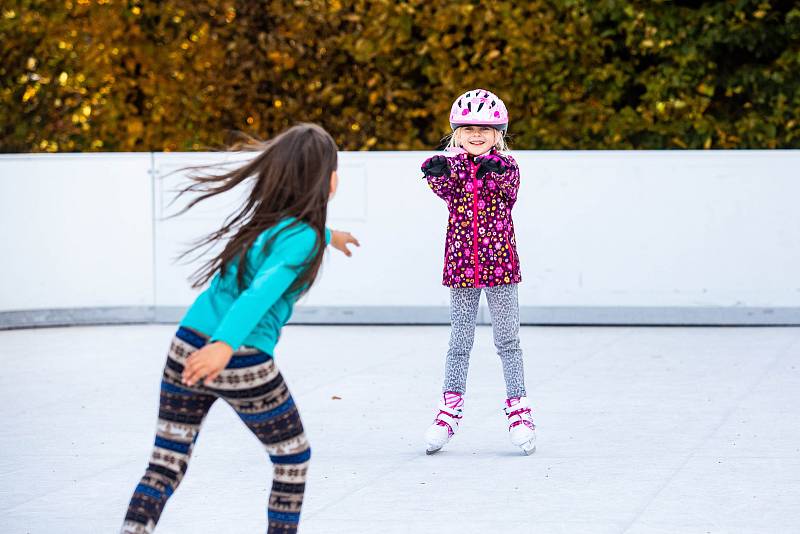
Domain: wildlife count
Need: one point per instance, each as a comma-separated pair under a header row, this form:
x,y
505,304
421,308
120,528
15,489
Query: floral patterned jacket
x,y
480,248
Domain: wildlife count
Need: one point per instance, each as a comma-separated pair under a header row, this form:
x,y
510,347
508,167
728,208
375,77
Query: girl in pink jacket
x,y
479,183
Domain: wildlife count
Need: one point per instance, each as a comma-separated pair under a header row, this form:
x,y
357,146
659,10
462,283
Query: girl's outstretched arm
x,y
340,240
503,171
437,171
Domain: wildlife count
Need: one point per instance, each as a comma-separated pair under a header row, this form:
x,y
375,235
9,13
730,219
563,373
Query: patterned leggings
x,y
504,310
253,386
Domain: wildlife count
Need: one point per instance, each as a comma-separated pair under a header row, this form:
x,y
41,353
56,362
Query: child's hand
x,y
490,163
207,362
436,166
340,240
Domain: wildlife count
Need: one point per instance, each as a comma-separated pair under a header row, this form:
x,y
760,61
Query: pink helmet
x,y
479,107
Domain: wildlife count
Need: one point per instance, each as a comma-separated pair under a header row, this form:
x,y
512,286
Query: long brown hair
x,y
290,178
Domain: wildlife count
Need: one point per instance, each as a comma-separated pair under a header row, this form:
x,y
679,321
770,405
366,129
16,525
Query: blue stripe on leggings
x,y
298,458
172,445
237,361
264,416
283,517
147,490
190,337
248,360
175,390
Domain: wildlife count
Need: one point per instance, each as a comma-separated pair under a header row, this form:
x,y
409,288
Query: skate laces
x,y
518,412
451,410
453,400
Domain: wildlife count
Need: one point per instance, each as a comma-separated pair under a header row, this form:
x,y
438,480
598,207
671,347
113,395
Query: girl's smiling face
x,y
477,140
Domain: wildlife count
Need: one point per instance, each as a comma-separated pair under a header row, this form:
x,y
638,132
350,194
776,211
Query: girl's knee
x,y
293,451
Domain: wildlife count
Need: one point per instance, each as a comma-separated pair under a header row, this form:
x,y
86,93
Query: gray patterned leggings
x,y
504,311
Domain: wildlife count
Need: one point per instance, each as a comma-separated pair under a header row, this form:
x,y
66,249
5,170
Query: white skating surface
x,y
640,430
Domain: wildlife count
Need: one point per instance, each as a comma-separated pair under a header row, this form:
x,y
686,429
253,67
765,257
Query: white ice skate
x,y
446,422
520,424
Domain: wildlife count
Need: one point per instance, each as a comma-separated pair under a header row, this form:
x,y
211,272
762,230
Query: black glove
x,y
436,166
490,163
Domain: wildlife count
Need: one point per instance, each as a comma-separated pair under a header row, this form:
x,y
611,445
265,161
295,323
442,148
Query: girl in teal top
x,y
254,316
224,344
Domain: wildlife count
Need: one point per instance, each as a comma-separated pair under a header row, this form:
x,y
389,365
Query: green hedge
x,y
81,75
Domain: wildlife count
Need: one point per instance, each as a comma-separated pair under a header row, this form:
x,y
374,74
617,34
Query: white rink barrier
x,y
605,237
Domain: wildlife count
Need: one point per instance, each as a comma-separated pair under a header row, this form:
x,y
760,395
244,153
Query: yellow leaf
x,y
30,92
135,127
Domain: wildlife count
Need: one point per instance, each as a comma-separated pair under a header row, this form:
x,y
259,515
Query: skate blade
x,y
431,450
528,448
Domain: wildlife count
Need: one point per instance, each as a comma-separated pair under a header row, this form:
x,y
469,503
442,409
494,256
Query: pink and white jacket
x,y
480,247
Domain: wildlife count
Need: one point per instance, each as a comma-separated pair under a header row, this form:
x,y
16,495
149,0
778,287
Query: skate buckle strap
x,y
518,422
516,410
448,417
521,410
445,413
523,418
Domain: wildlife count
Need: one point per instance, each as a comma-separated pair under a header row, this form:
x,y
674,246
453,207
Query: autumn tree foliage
x,y
141,75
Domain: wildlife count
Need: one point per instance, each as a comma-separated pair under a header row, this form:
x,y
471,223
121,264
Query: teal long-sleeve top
x,y
255,315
